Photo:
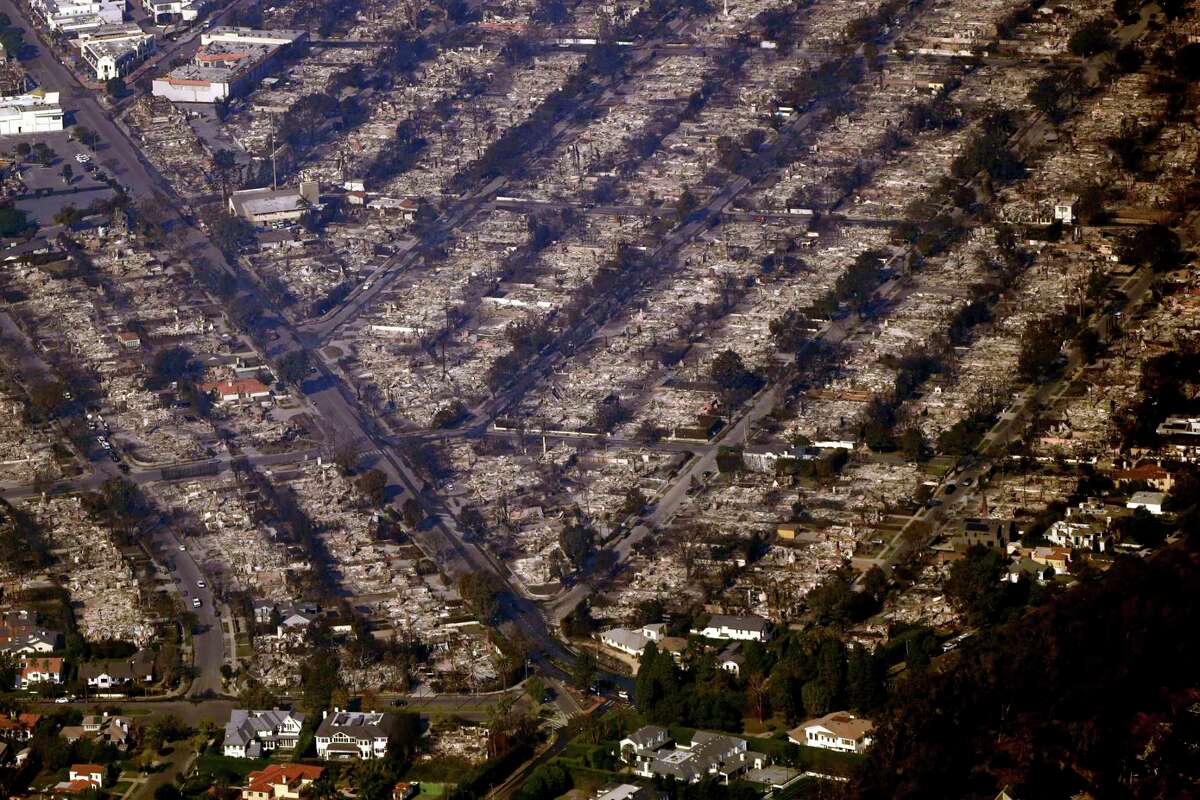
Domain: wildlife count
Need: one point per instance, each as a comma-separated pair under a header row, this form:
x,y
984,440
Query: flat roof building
x,y
36,112
113,51
275,206
64,16
229,63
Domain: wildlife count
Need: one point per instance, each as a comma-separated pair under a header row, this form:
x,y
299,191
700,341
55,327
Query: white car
x,y
195,602
201,584
183,547
82,158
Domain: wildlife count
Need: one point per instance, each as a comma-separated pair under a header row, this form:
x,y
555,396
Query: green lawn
x,y
217,763
433,789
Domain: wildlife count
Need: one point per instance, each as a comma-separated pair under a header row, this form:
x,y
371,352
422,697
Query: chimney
x,y
310,191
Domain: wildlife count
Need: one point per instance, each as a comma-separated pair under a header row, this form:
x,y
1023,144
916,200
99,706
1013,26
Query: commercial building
x,y
113,51
275,206
170,10
36,112
229,63
64,16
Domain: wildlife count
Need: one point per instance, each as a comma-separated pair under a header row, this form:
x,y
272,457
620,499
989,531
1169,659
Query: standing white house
x,y
749,628
349,735
251,734
838,730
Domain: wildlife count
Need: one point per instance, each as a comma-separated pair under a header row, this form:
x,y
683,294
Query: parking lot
x,y
48,190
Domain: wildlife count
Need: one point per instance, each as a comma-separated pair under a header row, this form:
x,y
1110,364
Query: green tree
x,y
974,585
1187,62
856,286
481,592
1092,39
583,671
535,689
785,687
86,135
1041,344
864,683
576,541
1156,246
373,485
293,367
13,221
656,691
817,698
321,680
912,444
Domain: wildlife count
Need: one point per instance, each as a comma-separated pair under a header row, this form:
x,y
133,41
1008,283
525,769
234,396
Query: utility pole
x,y
274,175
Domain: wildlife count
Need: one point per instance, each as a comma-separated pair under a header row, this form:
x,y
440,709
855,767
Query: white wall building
x,y
36,112
839,730
349,735
185,10
229,63
745,628
64,15
113,51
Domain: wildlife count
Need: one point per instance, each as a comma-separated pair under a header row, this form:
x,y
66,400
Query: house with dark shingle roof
x,y
750,627
251,734
348,735
723,756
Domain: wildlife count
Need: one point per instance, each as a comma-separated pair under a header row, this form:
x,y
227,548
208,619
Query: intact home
x,y
651,754
252,734
47,669
81,778
280,781
20,640
745,628
92,773
839,730
116,673
243,390
632,641
18,728
347,735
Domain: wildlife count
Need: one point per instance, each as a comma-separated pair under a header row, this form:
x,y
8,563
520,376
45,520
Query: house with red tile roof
x,y
47,669
280,781
93,773
242,390
19,728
